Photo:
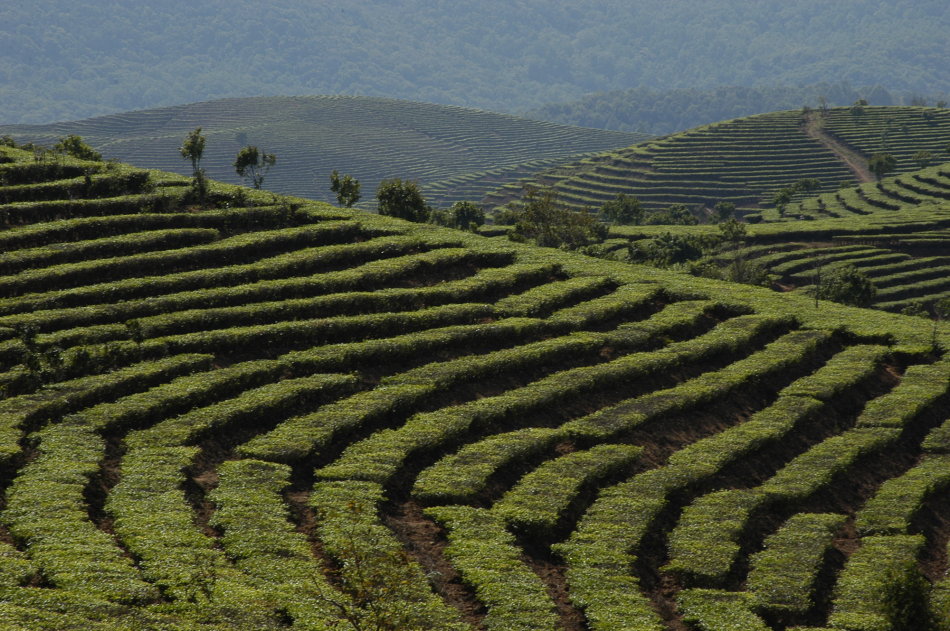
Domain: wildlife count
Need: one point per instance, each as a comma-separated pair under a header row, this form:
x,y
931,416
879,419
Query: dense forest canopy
x,y
67,60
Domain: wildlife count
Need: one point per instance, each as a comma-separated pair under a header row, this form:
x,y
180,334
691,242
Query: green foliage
x,y
193,148
624,210
881,164
724,211
905,601
73,145
396,198
545,222
672,215
847,285
783,575
462,215
253,164
669,249
923,158
346,189
488,558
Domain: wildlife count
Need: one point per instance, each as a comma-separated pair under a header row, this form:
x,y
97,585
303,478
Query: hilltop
x,y
271,413
657,111
65,60
455,153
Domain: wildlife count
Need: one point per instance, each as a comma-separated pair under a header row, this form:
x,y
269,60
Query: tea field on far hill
x,y
455,153
745,161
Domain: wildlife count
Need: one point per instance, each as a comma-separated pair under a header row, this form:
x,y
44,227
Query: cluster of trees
x,y
251,164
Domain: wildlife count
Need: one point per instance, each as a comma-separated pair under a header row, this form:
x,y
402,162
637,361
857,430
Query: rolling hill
x,y
283,415
657,111
746,160
455,153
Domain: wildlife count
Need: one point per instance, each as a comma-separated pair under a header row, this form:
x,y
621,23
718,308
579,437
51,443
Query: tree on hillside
x,y
192,149
807,185
781,198
346,189
668,249
724,211
923,158
846,285
624,210
545,222
465,215
402,199
253,164
73,145
881,164
672,215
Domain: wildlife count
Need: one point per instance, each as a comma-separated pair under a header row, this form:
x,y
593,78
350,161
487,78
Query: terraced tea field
x,y
744,161
287,416
455,153
896,232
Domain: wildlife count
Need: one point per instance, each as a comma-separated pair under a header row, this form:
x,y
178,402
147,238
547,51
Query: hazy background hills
x,y
64,60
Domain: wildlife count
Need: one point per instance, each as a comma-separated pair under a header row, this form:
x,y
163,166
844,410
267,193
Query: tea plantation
x,y
746,160
268,413
455,153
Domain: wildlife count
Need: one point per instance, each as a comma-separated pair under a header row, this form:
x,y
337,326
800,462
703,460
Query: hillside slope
x,y
746,160
288,416
457,153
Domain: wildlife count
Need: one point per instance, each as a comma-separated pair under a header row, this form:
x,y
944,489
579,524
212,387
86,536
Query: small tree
x,y
668,249
672,215
192,149
624,210
923,158
848,286
781,198
807,185
466,216
73,145
881,164
346,189
402,199
253,164
546,223
724,211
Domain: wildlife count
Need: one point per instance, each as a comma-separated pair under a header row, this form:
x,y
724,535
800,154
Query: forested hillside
x,y
64,60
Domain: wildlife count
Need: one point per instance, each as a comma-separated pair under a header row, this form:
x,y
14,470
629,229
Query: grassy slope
x,y
369,138
343,355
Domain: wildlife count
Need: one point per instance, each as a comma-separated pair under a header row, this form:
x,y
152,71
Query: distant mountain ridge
x,y
465,152
67,60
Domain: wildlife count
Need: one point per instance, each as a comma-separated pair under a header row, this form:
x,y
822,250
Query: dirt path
x,y
814,128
